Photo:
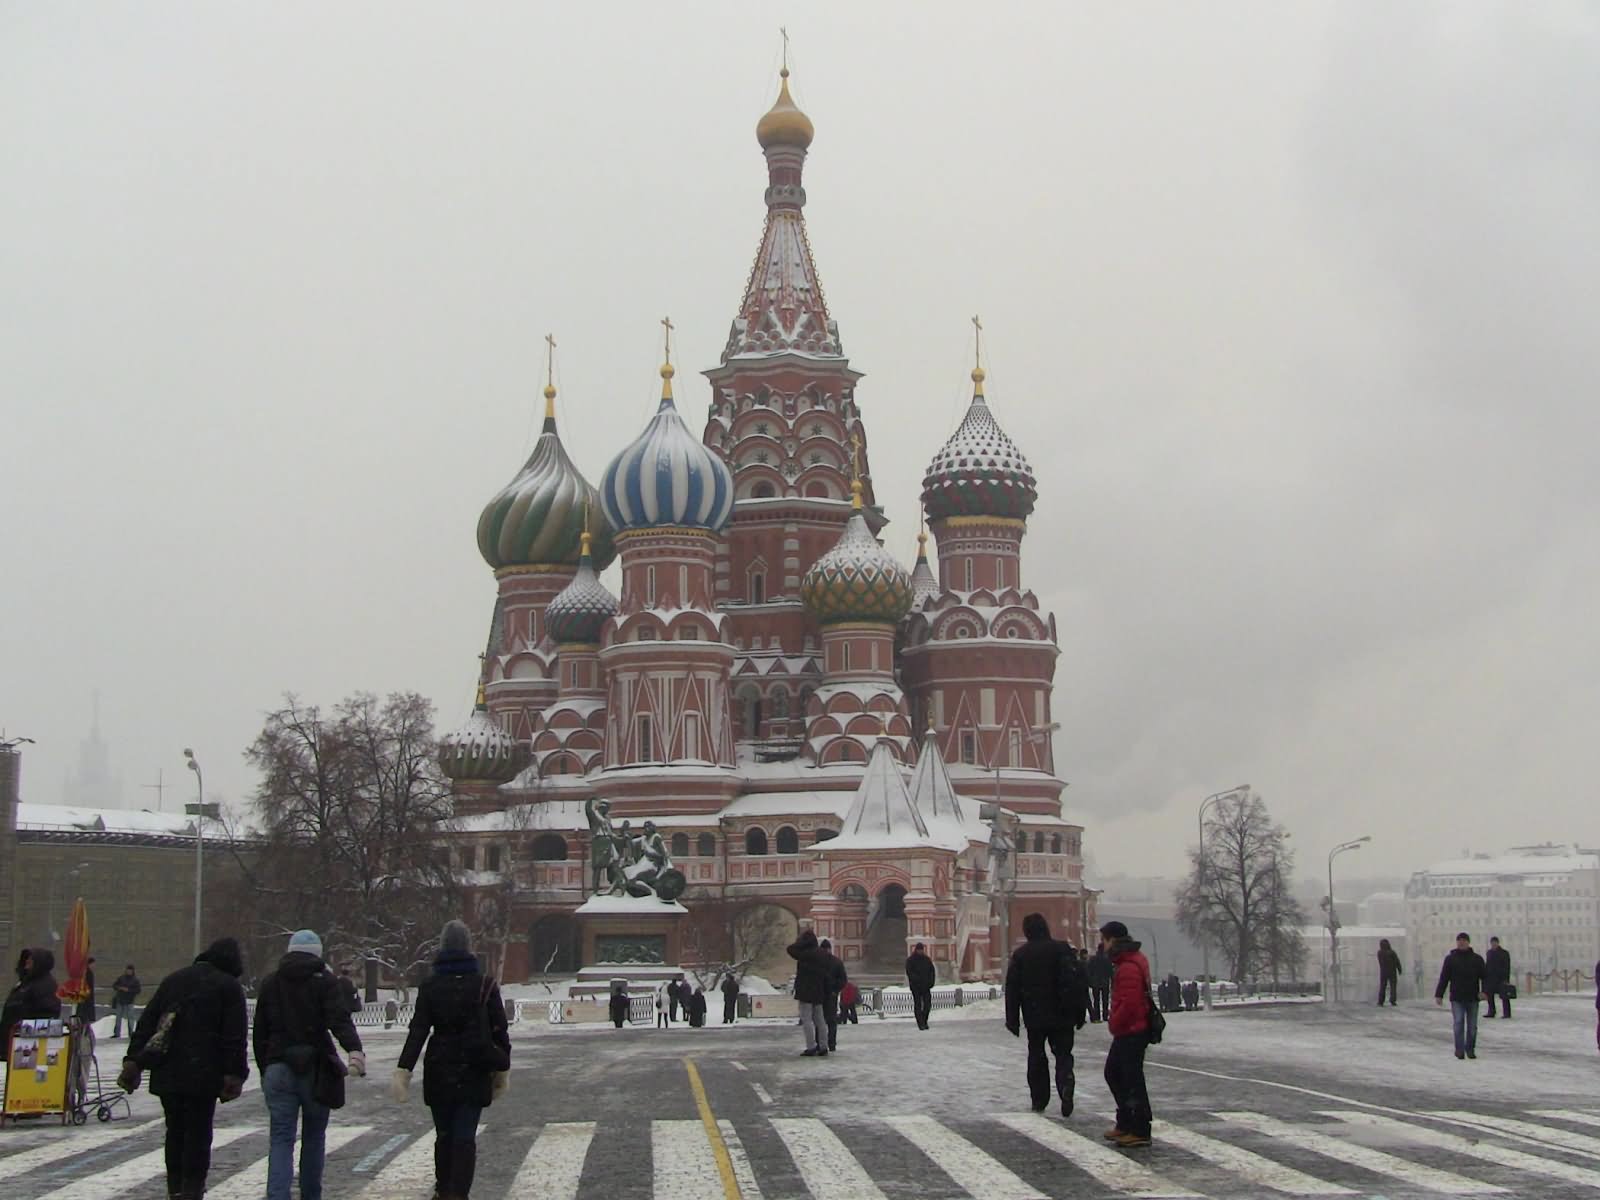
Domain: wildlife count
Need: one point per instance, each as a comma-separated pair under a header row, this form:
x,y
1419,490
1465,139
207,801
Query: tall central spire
x,y
783,307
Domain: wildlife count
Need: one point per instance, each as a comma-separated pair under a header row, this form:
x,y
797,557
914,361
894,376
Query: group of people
x,y
194,1041
1468,978
1048,990
676,993
819,981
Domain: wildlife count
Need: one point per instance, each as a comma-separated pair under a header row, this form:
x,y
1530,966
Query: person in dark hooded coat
x,y
34,997
1046,990
462,1019
203,1059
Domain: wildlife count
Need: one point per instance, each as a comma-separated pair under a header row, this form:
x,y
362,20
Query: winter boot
x,y
463,1166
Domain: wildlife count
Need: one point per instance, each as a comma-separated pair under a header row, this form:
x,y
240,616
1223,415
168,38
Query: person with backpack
x,y
299,1015
1047,991
1130,1019
467,1066
191,1037
849,997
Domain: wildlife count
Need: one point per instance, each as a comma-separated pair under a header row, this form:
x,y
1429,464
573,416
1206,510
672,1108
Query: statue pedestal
x,y
630,931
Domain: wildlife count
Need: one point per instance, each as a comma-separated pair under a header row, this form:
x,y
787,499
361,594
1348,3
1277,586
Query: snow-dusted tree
x,y
350,807
1238,896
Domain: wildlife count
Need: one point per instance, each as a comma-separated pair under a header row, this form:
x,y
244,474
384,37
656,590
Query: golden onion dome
x,y
784,124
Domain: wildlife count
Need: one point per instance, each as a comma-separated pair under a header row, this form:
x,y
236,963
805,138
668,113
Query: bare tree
x,y
350,808
1237,896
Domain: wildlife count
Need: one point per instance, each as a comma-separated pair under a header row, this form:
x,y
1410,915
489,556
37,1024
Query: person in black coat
x,y
125,990
921,976
1462,976
34,997
1046,990
697,1008
462,1019
730,998
1389,972
1098,969
811,964
203,1059
299,1014
837,978
1497,978
619,1005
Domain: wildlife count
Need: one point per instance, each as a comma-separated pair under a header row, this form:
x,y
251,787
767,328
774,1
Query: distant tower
x,y
91,783
529,533
669,736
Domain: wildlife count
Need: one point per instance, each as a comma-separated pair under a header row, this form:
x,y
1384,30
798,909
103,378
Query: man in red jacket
x,y
1130,1023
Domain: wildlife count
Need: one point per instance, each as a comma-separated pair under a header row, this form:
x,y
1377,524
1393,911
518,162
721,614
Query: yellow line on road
x,y
719,1148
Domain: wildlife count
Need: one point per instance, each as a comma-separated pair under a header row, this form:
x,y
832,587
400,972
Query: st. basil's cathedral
x,y
818,734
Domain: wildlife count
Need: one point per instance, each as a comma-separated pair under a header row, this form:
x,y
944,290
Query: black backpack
x,y
1073,983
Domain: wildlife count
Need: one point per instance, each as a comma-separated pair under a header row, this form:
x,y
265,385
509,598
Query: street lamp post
x,y
50,906
1037,738
1333,914
1277,887
201,810
1205,941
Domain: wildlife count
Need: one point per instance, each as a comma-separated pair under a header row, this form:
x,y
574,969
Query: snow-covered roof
x,y
1355,931
68,819
934,796
1518,864
881,815
780,804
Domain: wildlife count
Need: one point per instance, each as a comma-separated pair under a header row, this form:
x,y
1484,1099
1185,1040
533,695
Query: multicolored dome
x,y
480,751
784,124
539,516
979,472
580,610
858,580
667,476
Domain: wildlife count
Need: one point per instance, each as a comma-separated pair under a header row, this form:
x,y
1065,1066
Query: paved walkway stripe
x,y
381,1152
1247,1164
977,1173
830,1171
1500,1155
411,1169
73,1142
713,1133
251,1183
113,1183
1577,1116
1361,1156
1582,1143
743,1173
1109,1167
682,1166
554,1166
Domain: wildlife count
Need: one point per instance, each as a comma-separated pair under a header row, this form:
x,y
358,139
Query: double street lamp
x,y
1333,914
1200,872
200,810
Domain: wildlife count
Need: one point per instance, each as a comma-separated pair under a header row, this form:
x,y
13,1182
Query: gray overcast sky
x,y
1292,307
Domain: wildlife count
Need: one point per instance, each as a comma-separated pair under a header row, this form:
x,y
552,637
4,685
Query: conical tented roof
x,y
882,816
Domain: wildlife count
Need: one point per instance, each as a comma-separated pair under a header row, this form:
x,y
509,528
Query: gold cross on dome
x,y
783,32
666,323
855,456
977,342
550,358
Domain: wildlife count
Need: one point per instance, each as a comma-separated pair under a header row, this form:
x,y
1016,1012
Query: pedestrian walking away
x,y
1389,972
1497,978
192,1039
730,998
125,990
467,1066
348,992
1048,991
299,1015
1098,969
1462,976
830,1002
34,996
810,990
696,1004
921,975
1129,1020
620,1003
663,1020
1191,996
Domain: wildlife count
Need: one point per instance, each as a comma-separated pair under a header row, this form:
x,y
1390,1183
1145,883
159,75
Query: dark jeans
x,y
188,1146
1099,1003
1464,1023
830,1014
847,1012
1388,984
290,1102
1060,1043
921,1005
455,1147
728,1007
123,1013
1492,990
1125,1078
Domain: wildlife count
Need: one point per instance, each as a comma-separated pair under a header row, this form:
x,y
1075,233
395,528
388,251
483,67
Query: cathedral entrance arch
x,y
553,945
892,902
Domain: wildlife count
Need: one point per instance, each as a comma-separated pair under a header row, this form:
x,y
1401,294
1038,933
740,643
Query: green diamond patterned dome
x,y
858,580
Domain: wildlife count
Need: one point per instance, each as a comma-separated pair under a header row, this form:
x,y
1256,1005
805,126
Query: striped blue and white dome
x,y
667,476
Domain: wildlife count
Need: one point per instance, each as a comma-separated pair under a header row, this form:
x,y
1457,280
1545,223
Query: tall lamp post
x,y
50,907
1333,913
1205,942
1277,888
200,810
1037,738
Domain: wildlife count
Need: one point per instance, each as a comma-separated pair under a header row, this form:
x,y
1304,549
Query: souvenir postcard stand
x,y
38,1069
